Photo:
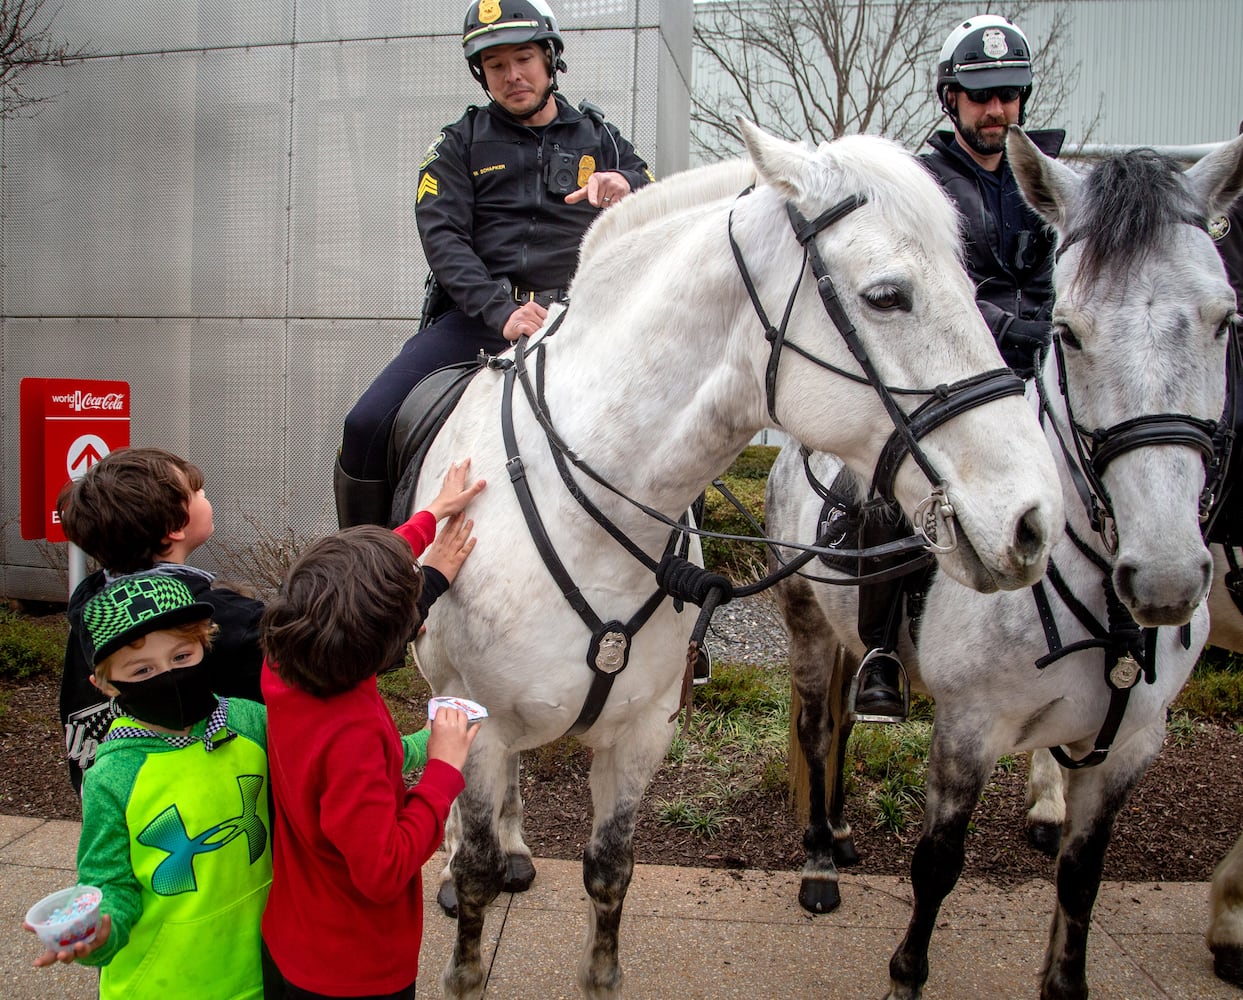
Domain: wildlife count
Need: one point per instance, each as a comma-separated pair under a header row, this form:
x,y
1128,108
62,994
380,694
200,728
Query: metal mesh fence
x,y
218,207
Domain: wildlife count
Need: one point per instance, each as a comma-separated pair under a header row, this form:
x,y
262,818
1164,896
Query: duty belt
x,y
545,298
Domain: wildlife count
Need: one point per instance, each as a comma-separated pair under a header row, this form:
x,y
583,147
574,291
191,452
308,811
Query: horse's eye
x,y
1067,336
888,298
1231,321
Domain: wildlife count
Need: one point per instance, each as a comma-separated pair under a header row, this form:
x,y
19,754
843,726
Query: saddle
x,y
422,414
850,523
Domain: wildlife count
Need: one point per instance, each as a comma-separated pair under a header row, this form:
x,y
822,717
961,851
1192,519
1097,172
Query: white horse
x,y
1141,309
658,374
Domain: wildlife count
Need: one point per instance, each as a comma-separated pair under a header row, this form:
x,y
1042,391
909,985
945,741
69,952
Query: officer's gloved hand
x,y
1022,343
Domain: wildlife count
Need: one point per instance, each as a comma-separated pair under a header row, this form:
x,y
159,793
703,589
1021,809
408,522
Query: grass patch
x,y
892,761
736,744
1215,690
31,646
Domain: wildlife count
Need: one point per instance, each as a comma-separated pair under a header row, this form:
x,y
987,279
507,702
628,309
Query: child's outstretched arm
x,y
455,494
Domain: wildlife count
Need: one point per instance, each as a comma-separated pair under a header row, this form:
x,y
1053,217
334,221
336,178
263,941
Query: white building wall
x,y
217,207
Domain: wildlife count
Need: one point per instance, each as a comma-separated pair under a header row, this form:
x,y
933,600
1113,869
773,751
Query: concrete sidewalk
x,y
707,934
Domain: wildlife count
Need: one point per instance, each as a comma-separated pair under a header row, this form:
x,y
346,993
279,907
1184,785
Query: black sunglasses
x,y
1004,94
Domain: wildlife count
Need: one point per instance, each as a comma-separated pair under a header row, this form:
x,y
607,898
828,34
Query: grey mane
x,y
1129,202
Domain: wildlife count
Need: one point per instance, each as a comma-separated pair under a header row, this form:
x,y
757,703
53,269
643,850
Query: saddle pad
x,y
422,414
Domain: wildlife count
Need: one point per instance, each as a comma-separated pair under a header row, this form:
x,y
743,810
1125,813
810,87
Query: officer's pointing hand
x,y
603,189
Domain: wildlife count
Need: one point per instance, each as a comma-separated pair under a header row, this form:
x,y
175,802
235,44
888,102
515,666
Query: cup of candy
x,y
471,709
66,917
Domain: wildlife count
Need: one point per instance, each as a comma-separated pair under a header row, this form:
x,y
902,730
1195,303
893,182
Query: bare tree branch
x,y
818,69
26,40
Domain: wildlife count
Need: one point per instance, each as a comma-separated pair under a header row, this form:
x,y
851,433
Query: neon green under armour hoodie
x,y
179,840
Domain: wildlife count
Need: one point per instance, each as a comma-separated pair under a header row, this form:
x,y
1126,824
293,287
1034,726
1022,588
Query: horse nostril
x,y
1029,536
1124,581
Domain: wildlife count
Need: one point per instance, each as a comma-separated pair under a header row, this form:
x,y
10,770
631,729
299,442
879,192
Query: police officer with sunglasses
x,y
984,79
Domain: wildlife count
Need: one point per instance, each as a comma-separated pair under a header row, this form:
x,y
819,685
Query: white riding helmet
x,y
982,52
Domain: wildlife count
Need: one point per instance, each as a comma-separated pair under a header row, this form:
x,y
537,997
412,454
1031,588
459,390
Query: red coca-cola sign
x,y
67,426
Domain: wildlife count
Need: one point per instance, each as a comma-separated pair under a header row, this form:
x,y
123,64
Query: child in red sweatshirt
x,y
344,916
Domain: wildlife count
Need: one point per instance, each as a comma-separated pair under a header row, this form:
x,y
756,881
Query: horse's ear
x,y
1047,186
782,164
1217,180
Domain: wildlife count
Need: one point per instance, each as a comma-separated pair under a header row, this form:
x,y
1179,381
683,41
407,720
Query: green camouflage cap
x,y
135,606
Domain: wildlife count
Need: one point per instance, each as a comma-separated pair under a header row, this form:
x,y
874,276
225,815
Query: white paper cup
x,y
64,918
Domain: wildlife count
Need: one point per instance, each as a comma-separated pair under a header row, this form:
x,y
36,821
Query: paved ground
x,y
699,934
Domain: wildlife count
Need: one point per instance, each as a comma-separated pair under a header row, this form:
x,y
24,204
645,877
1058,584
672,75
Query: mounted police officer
x,y
505,194
984,80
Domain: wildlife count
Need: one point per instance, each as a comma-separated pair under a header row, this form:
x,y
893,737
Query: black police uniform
x,y
496,230
1009,248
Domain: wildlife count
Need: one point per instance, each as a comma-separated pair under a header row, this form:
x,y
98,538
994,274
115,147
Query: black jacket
x,y
486,215
234,661
1010,287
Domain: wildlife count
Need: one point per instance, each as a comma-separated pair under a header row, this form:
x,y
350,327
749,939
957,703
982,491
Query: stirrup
x,y
904,688
703,666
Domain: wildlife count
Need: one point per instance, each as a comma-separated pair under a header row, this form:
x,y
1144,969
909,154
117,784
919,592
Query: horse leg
x,y
1094,797
1046,803
478,866
957,773
519,869
446,896
844,667
1225,931
811,674
619,776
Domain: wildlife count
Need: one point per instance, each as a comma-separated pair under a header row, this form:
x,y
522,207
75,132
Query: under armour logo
x,y
167,833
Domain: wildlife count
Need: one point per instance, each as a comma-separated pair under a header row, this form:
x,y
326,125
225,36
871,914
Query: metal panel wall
x,y
217,207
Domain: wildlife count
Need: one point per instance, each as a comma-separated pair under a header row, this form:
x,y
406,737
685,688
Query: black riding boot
x,y
879,691
361,501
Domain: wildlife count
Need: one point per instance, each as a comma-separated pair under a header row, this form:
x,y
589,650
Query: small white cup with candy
x,y
67,917
471,709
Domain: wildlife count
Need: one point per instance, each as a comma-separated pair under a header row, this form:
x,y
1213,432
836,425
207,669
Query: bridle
x,y
1096,449
1129,651
945,402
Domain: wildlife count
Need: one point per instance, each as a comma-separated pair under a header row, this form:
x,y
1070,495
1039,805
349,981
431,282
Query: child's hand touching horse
x,y
455,494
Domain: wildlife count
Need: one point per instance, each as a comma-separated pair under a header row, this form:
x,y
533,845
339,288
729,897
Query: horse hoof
x,y
1045,837
446,896
844,853
1228,964
819,895
519,873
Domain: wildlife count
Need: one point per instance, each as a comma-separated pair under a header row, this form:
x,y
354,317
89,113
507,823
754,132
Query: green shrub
x,y
1213,694
31,646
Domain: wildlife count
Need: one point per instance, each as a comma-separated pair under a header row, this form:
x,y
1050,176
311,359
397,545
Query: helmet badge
x,y
994,42
489,11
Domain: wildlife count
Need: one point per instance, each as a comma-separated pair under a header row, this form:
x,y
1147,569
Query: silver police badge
x,y
1124,673
995,43
611,656
1219,227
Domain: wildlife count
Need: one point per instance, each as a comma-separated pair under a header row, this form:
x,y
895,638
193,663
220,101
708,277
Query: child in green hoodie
x,y
175,823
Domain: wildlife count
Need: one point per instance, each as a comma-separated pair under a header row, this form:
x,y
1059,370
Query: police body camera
x,y
562,175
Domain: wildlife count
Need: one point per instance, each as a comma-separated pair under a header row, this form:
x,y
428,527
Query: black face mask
x,y
174,699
